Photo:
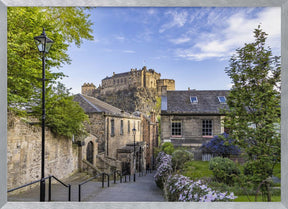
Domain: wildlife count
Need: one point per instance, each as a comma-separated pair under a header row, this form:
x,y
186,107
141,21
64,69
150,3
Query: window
x,y
207,127
138,126
222,99
128,126
176,128
193,100
121,127
112,128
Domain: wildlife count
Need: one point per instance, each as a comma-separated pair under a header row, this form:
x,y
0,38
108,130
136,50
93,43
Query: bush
x,y
181,188
167,147
164,168
179,157
224,170
221,145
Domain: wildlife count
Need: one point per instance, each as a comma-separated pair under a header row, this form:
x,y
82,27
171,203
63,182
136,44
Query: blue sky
x,y
191,45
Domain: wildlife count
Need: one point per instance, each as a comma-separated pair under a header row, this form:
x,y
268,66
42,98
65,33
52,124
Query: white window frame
x,y
193,101
220,99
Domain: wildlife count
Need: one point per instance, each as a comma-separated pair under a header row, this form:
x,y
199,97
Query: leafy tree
x,y
167,147
254,103
64,116
65,26
222,145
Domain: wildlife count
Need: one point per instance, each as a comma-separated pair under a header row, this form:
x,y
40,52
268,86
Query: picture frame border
x,y
144,3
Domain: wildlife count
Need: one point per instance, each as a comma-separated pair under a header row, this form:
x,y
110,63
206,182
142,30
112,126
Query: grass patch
x,y
244,198
196,170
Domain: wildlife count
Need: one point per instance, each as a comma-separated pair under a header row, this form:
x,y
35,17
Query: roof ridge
x,y
102,103
90,103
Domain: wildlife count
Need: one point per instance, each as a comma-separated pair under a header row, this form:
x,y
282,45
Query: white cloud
x,y
178,20
129,51
120,38
180,40
222,43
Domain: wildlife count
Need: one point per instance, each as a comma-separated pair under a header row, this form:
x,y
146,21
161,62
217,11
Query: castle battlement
x,y
134,78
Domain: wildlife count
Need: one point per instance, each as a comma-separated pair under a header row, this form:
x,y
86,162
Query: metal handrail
x,y
103,178
66,185
44,179
25,185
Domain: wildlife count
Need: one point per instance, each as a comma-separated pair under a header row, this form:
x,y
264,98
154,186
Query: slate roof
x,y
93,105
179,102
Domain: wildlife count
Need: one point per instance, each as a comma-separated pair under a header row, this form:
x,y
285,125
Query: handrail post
x,y
69,195
79,192
49,193
120,178
103,176
114,177
108,180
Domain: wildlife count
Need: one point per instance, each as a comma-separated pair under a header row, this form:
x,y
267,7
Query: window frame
x,y
194,101
207,131
173,129
121,127
221,102
112,126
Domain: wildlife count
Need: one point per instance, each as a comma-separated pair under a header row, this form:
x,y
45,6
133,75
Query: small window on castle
x,y
222,99
112,128
121,127
193,100
128,126
117,81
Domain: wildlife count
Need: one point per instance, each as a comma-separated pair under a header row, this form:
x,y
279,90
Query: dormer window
x,y
193,100
222,99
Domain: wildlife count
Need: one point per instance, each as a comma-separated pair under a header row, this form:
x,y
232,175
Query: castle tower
x,y
169,83
87,89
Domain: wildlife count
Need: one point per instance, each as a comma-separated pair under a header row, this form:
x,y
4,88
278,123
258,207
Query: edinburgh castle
x,y
142,78
136,90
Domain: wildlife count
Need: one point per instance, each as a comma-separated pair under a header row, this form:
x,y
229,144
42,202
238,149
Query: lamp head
x,y
43,42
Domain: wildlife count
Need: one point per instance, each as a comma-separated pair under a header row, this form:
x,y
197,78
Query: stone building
x,y
150,137
112,128
189,118
142,78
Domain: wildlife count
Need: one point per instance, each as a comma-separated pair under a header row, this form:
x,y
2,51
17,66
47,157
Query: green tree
x,y
65,26
254,103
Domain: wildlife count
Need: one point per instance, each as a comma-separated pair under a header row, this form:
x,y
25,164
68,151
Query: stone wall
x,y
24,154
191,129
96,127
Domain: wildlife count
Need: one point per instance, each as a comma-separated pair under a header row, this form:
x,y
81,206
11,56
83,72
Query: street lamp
x,y
134,155
43,44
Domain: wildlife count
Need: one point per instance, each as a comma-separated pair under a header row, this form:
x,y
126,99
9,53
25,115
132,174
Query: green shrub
x,y
167,147
224,170
179,157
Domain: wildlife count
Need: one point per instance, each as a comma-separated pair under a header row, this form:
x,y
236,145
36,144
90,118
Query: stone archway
x,y
90,152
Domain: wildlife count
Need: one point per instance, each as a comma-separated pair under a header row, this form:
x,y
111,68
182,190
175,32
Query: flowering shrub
x,y
181,188
164,168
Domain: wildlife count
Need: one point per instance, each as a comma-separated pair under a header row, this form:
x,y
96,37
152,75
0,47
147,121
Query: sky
x,y
190,45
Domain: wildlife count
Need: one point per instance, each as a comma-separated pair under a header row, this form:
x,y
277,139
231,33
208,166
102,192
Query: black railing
x,y
103,175
50,187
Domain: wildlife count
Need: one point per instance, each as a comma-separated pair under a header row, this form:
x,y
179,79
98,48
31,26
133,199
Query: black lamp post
x,y
43,43
134,155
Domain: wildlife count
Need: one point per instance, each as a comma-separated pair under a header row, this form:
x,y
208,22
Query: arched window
x,y
90,152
